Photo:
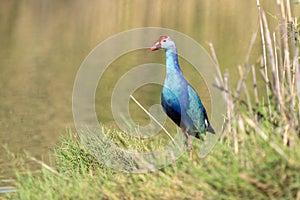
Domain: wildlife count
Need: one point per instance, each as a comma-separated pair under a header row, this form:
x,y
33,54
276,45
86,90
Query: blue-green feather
x,y
180,101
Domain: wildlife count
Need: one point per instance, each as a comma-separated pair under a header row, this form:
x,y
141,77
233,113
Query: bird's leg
x,y
188,142
191,145
186,136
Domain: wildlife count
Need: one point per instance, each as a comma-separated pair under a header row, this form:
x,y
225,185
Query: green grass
x,y
257,157
257,171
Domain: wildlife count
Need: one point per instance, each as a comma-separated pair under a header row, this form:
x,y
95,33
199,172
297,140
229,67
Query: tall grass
x,y
258,156
278,105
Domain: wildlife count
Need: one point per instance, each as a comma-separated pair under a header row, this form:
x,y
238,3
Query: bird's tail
x,y
210,129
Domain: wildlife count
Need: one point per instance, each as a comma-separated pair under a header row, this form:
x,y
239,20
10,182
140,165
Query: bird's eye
x,y
164,40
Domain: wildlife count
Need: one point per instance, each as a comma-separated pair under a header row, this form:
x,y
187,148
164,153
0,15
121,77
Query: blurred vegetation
x,y
258,156
44,42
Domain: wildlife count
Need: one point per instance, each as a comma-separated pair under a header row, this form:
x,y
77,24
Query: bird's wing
x,y
171,105
196,111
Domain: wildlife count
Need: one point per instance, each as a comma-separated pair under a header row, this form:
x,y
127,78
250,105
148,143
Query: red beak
x,y
156,46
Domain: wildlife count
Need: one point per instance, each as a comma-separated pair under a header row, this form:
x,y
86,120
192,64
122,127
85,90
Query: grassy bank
x,y
258,156
256,171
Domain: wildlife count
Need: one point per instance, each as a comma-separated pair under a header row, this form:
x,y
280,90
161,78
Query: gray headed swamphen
x,y
178,98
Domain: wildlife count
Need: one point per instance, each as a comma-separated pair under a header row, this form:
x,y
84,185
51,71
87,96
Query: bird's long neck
x,y
172,65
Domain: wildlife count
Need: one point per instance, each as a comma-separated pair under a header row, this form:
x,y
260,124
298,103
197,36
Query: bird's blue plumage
x,y
179,100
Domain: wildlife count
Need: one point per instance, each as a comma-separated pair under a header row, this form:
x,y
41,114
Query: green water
x,y
44,42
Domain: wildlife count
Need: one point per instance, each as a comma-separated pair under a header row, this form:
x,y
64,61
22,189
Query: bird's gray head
x,y
164,42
